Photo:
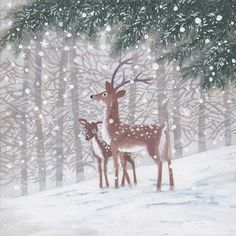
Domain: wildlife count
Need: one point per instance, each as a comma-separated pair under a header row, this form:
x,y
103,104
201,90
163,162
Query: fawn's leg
x,y
125,174
100,171
131,161
105,171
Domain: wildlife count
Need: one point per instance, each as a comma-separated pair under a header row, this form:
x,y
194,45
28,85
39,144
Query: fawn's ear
x,y
99,122
120,93
83,121
109,87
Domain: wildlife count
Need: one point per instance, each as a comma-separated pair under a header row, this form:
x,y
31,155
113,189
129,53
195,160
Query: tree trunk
x,y
38,122
201,120
25,97
132,100
162,93
176,113
60,117
227,119
75,111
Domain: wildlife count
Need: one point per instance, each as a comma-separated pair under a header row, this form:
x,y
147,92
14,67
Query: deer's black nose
x,y
91,96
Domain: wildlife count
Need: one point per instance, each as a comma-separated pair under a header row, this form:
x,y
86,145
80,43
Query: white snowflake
x,y
175,8
219,18
198,20
111,121
27,90
155,66
44,43
41,53
108,28
182,29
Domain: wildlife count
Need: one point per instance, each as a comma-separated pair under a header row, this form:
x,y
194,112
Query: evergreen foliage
x,y
198,34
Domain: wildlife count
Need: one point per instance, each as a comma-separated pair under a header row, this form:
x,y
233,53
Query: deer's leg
x,y
116,164
159,178
131,161
171,177
100,171
125,174
105,172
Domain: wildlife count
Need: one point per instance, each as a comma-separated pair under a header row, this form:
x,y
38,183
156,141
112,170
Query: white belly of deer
x,y
132,149
96,148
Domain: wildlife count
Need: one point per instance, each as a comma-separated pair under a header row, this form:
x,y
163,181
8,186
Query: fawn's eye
x,y
85,130
104,94
94,131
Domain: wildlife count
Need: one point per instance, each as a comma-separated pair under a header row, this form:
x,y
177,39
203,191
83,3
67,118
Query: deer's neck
x,y
112,113
111,121
96,146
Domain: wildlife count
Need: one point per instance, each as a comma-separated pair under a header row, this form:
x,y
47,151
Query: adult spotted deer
x,y
102,151
132,138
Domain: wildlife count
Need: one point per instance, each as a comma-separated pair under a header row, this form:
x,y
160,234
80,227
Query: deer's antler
x,y
135,80
127,61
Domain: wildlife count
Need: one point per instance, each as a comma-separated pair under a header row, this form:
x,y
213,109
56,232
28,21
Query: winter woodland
x,y
45,88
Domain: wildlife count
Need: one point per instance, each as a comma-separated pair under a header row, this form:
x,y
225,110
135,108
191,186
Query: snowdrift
x,y
204,203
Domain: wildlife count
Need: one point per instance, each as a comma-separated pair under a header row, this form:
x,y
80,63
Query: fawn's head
x,y
90,129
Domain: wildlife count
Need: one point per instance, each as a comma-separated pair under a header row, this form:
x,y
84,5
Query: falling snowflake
x,y
175,8
111,121
155,66
44,43
182,29
41,53
219,18
27,90
108,28
198,20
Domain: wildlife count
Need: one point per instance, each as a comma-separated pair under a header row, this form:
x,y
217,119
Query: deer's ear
x,y
120,93
83,121
109,87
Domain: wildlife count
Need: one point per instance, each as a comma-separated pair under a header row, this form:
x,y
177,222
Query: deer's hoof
x,y
159,190
172,188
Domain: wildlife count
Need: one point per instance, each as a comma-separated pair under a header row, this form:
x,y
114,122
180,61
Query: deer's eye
x,y
104,94
85,130
94,131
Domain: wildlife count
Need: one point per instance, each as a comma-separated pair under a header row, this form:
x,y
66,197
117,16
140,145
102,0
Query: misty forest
x,y
56,54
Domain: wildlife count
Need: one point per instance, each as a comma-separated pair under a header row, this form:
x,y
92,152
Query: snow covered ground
x,y
204,203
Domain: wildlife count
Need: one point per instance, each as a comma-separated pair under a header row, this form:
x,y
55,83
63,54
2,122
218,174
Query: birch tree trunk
x,y
201,121
162,93
75,110
227,119
60,116
38,121
23,133
132,100
176,113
